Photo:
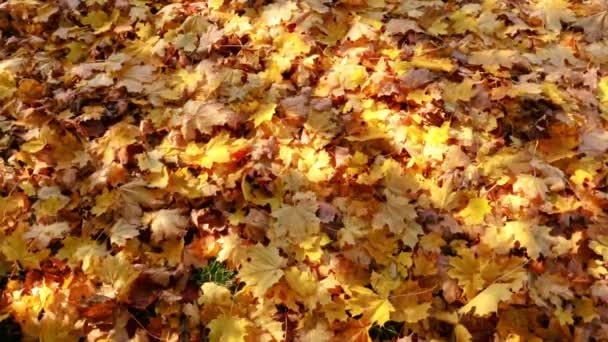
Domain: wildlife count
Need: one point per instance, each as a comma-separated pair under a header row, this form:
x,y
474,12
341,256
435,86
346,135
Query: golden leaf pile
x,y
303,170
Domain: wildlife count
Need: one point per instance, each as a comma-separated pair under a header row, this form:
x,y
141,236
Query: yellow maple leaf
x,y
8,86
104,202
354,228
303,282
345,75
315,164
312,248
410,306
443,197
84,252
216,150
466,270
51,200
263,114
531,186
602,93
600,246
373,307
535,238
385,282
585,309
214,294
122,231
57,328
166,223
553,12
310,290
436,64
564,315
513,279
297,221
95,19
42,234
398,215
438,135
262,269
215,4
475,211
183,182
228,329
118,271
462,334
435,141
461,91
487,301
397,180
15,249
11,204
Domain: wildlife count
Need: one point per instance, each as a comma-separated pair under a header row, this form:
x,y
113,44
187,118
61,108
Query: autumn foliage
x,y
303,170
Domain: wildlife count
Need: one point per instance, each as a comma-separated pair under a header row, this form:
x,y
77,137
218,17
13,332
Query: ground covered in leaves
x,y
347,170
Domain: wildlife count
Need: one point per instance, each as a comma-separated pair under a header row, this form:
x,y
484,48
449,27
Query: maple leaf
x,y
12,204
602,89
42,235
262,268
435,141
118,271
462,91
216,151
264,113
308,288
374,308
103,202
122,231
274,14
437,64
361,27
397,181
466,268
444,197
475,211
399,215
595,142
135,77
354,228
166,223
553,12
8,85
462,334
595,26
15,249
600,246
316,165
81,252
228,329
533,187
489,58
411,302
297,221
501,289
536,239
487,300
214,294
396,26
346,76
203,116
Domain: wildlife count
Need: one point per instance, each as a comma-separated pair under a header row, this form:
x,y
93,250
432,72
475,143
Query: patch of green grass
x,y
214,272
